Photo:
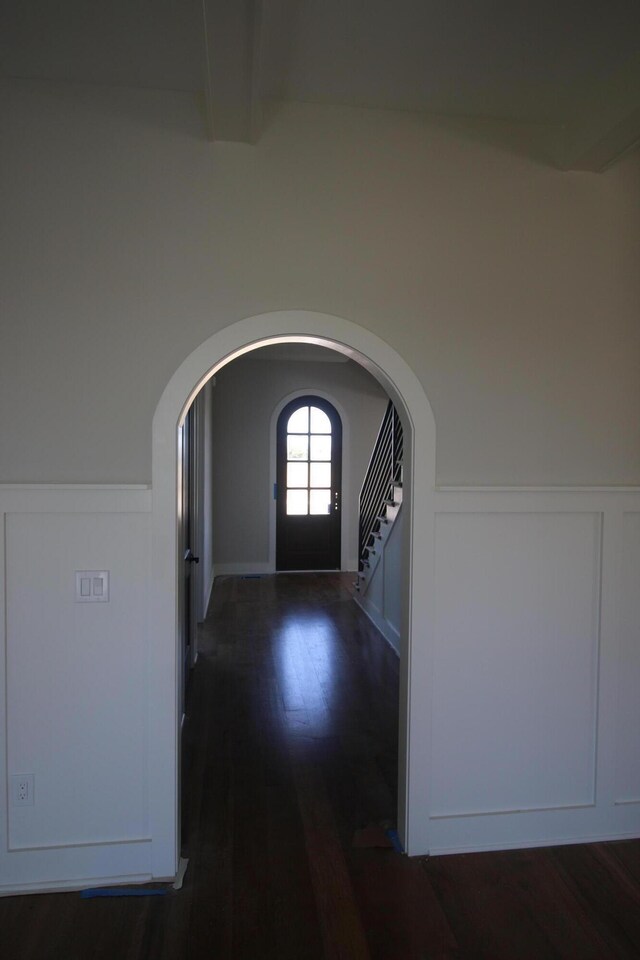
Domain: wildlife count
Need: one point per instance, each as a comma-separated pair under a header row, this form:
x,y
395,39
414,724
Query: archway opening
x,y
404,389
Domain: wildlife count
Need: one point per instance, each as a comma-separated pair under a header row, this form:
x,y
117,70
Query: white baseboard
x,y
243,569
525,844
212,578
69,886
260,567
388,631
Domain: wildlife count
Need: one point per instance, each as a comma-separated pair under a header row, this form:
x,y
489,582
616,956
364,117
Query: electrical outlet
x,y
22,790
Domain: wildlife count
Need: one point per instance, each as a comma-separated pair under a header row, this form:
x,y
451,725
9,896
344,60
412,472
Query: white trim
x,y
386,629
212,580
536,500
243,569
73,486
452,488
49,498
407,393
74,844
53,886
449,850
509,811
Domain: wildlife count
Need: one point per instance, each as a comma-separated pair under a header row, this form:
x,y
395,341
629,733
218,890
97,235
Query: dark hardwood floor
x,y
289,752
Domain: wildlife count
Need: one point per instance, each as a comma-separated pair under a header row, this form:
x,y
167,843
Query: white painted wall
x,y
245,397
511,290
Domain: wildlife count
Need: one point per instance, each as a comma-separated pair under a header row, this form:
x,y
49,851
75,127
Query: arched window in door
x,y
309,464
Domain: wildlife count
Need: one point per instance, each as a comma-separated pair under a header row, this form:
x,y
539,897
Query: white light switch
x,y
92,586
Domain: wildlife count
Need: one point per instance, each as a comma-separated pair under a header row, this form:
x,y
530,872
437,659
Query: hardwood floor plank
x,y
339,917
400,911
613,908
627,855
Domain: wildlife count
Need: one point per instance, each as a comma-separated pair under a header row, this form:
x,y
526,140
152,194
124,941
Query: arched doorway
x,y
407,393
308,485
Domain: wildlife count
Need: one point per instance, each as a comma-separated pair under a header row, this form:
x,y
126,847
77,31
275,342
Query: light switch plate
x,y
92,586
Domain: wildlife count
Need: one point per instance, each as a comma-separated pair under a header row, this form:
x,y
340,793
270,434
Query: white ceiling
x,y
564,63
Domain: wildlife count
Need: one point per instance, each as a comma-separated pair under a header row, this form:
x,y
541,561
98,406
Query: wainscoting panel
x,y
516,658
76,687
536,668
532,689
627,786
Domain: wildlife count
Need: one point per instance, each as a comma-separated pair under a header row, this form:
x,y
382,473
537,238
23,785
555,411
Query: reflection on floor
x,y
300,697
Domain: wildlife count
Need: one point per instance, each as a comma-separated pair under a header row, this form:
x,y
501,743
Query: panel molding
x,y
570,793
509,811
25,862
488,846
68,886
606,818
536,499
75,498
72,844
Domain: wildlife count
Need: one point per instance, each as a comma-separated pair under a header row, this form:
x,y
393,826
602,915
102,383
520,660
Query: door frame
x,y
407,394
345,513
335,486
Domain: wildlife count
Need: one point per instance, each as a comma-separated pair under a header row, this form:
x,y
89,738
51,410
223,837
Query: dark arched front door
x,y
309,476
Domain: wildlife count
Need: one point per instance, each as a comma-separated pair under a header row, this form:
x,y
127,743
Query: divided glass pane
x,y
320,501
320,475
297,474
299,421
320,422
297,447
297,502
320,448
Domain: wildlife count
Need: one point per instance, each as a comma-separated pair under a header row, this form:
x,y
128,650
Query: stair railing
x,y
377,489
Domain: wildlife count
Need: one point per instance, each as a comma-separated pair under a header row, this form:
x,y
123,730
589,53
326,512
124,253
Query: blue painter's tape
x,y
121,892
395,840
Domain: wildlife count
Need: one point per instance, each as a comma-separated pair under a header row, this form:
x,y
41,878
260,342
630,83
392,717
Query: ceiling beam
x,y
233,49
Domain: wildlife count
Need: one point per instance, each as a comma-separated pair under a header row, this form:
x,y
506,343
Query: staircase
x,y
380,497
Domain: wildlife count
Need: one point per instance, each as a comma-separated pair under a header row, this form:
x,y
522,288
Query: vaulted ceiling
x,y
567,71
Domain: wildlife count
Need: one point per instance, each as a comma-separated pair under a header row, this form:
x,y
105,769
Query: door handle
x,y
190,558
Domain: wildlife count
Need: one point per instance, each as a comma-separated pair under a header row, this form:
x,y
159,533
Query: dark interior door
x,y
308,492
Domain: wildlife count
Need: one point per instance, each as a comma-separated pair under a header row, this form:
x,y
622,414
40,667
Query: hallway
x,y
289,752
293,734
